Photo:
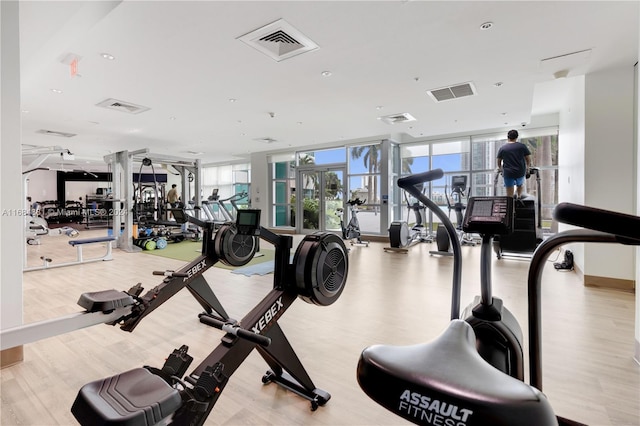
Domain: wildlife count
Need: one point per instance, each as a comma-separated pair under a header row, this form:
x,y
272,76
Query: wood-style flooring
x,y
402,299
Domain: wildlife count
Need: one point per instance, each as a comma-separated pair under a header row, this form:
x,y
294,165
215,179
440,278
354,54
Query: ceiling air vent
x,y
128,107
279,41
397,118
56,133
267,140
452,92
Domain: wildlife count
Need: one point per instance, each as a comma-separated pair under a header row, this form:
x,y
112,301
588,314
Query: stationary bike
x,y
400,236
447,381
352,231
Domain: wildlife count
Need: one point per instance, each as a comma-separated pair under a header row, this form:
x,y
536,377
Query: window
x,y
543,144
283,180
475,157
364,183
229,180
326,156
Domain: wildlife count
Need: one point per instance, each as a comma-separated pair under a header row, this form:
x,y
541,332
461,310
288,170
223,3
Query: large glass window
x,y
364,183
325,156
283,189
228,180
475,158
543,144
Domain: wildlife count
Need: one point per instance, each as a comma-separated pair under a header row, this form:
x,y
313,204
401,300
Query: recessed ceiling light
x,y
108,56
232,100
326,73
486,26
498,84
299,122
172,118
379,107
503,113
58,91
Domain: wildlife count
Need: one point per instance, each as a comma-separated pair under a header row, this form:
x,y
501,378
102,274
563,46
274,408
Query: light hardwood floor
x,y
589,372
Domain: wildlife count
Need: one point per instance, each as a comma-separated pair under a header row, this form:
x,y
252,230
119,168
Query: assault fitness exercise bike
x,y
147,396
351,232
449,381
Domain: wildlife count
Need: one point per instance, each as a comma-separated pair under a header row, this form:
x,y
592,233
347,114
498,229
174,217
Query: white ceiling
x,y
184,61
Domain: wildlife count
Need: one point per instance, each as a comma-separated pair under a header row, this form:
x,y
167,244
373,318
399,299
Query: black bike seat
x,y
446,381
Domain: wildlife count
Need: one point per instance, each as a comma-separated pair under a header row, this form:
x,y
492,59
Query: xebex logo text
x,y
268,316
437,413
195,269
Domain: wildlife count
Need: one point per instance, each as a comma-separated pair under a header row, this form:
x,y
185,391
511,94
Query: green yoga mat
x,y
189,250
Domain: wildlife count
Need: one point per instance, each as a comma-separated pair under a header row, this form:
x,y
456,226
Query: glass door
x,y
320,197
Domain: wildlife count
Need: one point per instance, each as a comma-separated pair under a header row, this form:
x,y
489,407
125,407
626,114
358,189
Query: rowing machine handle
x,y
236,330
170,274
413,180
622,225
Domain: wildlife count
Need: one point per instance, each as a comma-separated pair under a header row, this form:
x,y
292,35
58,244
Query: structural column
x,y
12,199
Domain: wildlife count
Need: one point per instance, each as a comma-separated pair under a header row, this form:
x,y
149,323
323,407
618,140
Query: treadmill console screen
x,y
489,215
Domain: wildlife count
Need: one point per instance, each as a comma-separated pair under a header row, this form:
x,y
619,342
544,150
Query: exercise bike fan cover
x,y
321,265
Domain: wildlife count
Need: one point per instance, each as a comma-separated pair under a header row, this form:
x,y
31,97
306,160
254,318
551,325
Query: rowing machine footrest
x,y
105,301
132,398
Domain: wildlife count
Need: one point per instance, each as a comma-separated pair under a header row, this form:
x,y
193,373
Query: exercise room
x,y
319,213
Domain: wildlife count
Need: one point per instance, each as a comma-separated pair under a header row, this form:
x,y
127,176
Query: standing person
x,y
173,196
514,159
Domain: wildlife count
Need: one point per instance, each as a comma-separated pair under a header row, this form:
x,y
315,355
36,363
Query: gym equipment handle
x,y
412,180
236,330
170,274
620,224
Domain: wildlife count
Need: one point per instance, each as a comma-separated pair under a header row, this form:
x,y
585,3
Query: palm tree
x,y
311,179
333,185
406,165
370,155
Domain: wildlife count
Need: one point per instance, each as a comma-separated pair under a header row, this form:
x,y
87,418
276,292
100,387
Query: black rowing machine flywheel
x,y
232,248
321,265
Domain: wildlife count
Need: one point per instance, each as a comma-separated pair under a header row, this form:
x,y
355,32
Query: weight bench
x,y
79,259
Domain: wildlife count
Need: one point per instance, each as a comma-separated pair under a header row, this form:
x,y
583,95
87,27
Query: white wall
x,y
609,163
11,191
596,166
571,154
41,185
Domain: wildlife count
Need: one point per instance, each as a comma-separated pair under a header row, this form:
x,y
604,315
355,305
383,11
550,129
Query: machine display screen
x,y
248,218
248,221
482,208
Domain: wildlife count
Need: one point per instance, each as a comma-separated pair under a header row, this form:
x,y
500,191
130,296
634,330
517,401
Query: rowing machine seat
x,y
446,382
133,398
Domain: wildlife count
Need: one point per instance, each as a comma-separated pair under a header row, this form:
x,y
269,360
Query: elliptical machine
x,y
401,238
458,188
352,231
446,381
